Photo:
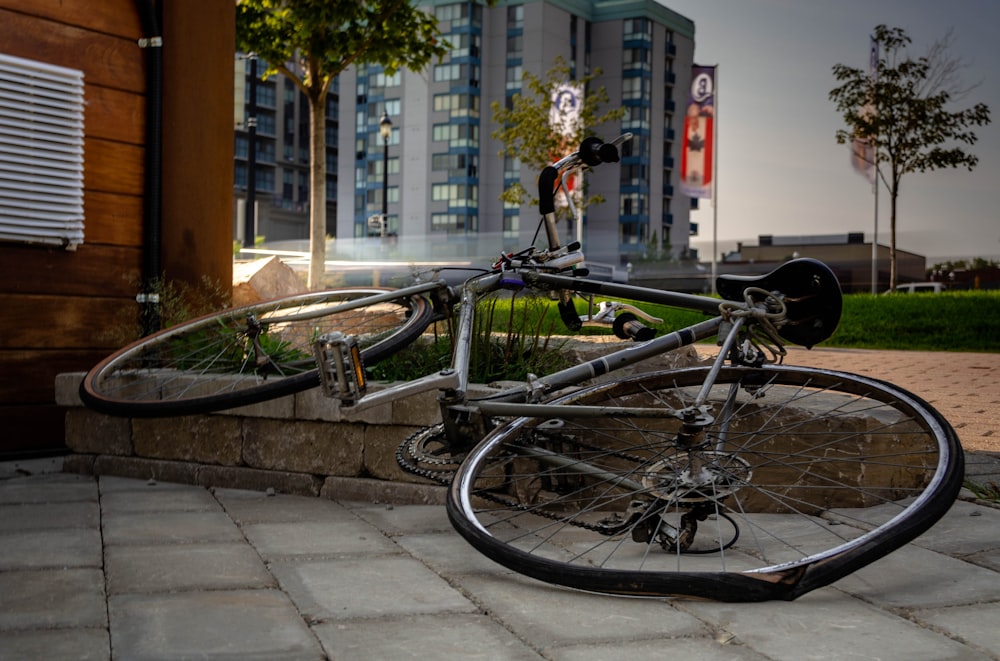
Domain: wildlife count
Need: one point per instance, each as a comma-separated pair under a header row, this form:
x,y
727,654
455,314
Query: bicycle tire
x,y
811,476
210,364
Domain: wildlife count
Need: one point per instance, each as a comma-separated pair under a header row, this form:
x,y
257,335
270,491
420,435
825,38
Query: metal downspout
x,y
152,43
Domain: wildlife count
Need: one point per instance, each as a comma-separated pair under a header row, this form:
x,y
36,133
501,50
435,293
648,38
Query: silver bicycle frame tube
x,y
456,377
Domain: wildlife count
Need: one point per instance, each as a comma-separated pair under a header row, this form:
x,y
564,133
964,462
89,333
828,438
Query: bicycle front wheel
x,y
248,354
786,480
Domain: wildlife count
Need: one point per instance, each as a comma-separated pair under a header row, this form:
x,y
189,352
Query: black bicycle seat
x,y
812,296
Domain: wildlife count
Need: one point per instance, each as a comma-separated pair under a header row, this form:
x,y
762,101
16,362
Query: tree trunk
x,y
317,191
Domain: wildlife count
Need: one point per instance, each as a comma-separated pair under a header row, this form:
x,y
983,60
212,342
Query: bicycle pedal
x,y
341,370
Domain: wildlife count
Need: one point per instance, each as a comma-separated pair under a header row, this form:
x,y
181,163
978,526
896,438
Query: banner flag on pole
x,y
564,117
697,146
862,152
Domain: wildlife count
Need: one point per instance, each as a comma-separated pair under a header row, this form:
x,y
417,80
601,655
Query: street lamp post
x,y
385,128
249,219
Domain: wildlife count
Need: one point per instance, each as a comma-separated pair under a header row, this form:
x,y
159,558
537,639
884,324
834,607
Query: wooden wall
x,y
57,306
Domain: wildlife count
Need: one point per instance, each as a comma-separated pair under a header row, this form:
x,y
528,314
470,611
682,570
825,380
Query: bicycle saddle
x,y
812,296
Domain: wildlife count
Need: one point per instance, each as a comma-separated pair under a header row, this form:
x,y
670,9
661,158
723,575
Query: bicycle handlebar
x,y
592,152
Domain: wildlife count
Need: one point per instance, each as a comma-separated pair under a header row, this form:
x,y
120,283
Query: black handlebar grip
x,y
628,327
569,315
594,151
547,190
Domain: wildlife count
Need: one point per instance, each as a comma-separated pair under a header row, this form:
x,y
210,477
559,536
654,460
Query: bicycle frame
x,y
342,377
524,399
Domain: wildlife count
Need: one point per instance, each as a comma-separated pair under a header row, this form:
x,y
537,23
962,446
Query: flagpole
x,y
873,78
875,239
715,180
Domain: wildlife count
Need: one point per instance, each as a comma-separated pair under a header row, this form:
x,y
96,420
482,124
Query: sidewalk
x,y
117,568
125,569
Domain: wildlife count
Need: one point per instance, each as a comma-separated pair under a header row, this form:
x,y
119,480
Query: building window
x,y
457,105
456,195
41,153
456,135
632,88
638,28
374,197
515,17
633,233
514,76
380,79
636,117
454,222
456,165
636,58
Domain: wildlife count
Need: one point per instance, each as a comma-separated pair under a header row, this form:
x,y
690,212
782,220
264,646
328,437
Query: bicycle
x,y
743,480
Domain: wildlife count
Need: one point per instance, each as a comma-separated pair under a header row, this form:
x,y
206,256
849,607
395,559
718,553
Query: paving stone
x,y
227,624
52,598
258,507
547,616
77,644
393,520
177,567
966,528
825,625
913,577
701,649
466,637
314,538
49,488
169,528
49,515
449,555
975,624
155,499
374,586
36,549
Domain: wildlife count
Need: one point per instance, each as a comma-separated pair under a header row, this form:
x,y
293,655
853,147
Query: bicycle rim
x,y
248,354
803,477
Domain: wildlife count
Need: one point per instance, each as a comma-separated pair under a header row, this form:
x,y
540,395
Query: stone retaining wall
x,y
300,444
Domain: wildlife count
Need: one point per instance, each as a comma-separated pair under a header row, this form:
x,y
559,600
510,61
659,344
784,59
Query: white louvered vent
x,y
41,153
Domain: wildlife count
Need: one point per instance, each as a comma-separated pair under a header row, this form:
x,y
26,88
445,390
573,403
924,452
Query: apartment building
x,y
439,174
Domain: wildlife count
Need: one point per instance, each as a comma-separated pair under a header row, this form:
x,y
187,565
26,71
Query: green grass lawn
x,y
950,321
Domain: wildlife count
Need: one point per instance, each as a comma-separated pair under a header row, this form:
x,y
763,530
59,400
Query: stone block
x,y
280,407
68,388
146,469
312,404
382,491
381,442
422,410
90,432
263,279
207,439
81,464
229,477
304,446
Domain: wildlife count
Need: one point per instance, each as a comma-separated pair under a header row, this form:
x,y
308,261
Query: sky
x,y
780,169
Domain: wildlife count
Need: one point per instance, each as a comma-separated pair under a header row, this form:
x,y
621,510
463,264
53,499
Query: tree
x,y
526,129
903,115
311,42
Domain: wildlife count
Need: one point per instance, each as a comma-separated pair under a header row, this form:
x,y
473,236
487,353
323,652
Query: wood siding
x,y
56,306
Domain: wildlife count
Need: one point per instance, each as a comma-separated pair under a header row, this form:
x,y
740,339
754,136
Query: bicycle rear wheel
x,y
248,354
790,480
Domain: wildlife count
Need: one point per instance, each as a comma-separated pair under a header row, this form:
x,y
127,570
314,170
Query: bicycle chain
x,y
443,477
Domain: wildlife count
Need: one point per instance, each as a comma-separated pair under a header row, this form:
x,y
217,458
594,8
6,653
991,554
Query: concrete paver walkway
x,y
116,568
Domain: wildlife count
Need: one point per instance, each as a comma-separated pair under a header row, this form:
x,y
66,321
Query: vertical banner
x,y
564,117
697,147
862,151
